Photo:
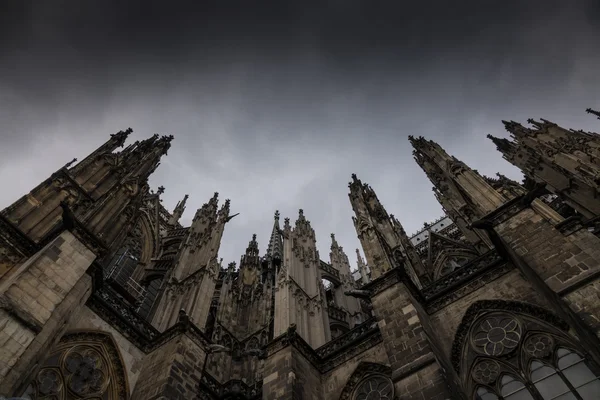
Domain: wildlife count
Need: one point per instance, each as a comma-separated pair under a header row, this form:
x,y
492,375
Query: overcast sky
x,y
274,106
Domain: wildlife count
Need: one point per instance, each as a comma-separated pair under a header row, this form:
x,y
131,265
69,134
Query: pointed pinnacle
x,y
276,215
503,145
590,111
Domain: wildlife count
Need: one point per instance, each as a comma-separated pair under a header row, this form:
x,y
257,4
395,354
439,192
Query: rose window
x,y
375,388
497,335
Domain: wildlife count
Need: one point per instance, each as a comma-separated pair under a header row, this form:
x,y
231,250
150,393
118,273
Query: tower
x,y
299,293
381,235
464,194
566,161
192,281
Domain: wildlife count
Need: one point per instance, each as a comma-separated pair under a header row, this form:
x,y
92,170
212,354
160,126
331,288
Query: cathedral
x,y
105,295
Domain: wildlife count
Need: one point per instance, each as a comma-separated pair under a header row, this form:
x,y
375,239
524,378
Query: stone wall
x,y
37,302
407,345
288,375
334,381
131,355
559,260
568,263
172,371
585,301
510,286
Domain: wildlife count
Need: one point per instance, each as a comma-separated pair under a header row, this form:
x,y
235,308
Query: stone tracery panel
x,y
516,350
83,365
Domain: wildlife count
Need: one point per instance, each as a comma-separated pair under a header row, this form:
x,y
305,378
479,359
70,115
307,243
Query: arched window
x,y
523,354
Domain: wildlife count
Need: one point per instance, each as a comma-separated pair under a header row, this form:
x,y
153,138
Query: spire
x,y
590,111
303,225
178,211
275,249
516,128
362,268
334,243
503,145
252,249
116,140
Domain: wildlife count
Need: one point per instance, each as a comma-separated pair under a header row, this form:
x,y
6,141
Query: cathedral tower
x,y
566,161
299,294
192,280
381,235
464,194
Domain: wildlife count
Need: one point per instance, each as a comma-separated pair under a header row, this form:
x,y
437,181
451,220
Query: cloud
x,y
275,106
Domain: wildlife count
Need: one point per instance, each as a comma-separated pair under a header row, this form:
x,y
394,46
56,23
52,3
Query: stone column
x,y
37,301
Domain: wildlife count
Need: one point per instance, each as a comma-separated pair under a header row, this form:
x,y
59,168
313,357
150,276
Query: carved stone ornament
x,y
486,372
539,345
496,335
82,365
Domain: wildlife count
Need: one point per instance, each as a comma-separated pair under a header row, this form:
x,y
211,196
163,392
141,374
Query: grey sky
x,y
275,106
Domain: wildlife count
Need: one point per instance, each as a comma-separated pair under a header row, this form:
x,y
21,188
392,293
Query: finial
x,y
502,144
276,215
590,111
333,236
301,213
67,165
286,221
254,237
161,190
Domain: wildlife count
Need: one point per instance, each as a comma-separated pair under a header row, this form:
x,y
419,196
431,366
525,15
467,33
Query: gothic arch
x,y
369,377
508,349
83,365
481,307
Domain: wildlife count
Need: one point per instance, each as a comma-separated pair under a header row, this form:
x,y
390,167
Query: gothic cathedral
x,y
104,294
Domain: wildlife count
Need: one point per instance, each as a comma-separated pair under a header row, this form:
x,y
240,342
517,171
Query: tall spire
x,y
505,146
252,249
178,211
362,268
275,249
590,111
565,160
334,243
377,233
462,192
116,140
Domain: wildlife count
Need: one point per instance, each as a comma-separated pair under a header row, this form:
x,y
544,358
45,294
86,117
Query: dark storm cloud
x,y
274,104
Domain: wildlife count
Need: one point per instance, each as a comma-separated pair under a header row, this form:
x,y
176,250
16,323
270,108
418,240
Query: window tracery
x,y
515,356
83,365
374,387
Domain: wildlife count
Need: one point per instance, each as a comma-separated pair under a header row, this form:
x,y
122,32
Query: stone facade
x,y
104,294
